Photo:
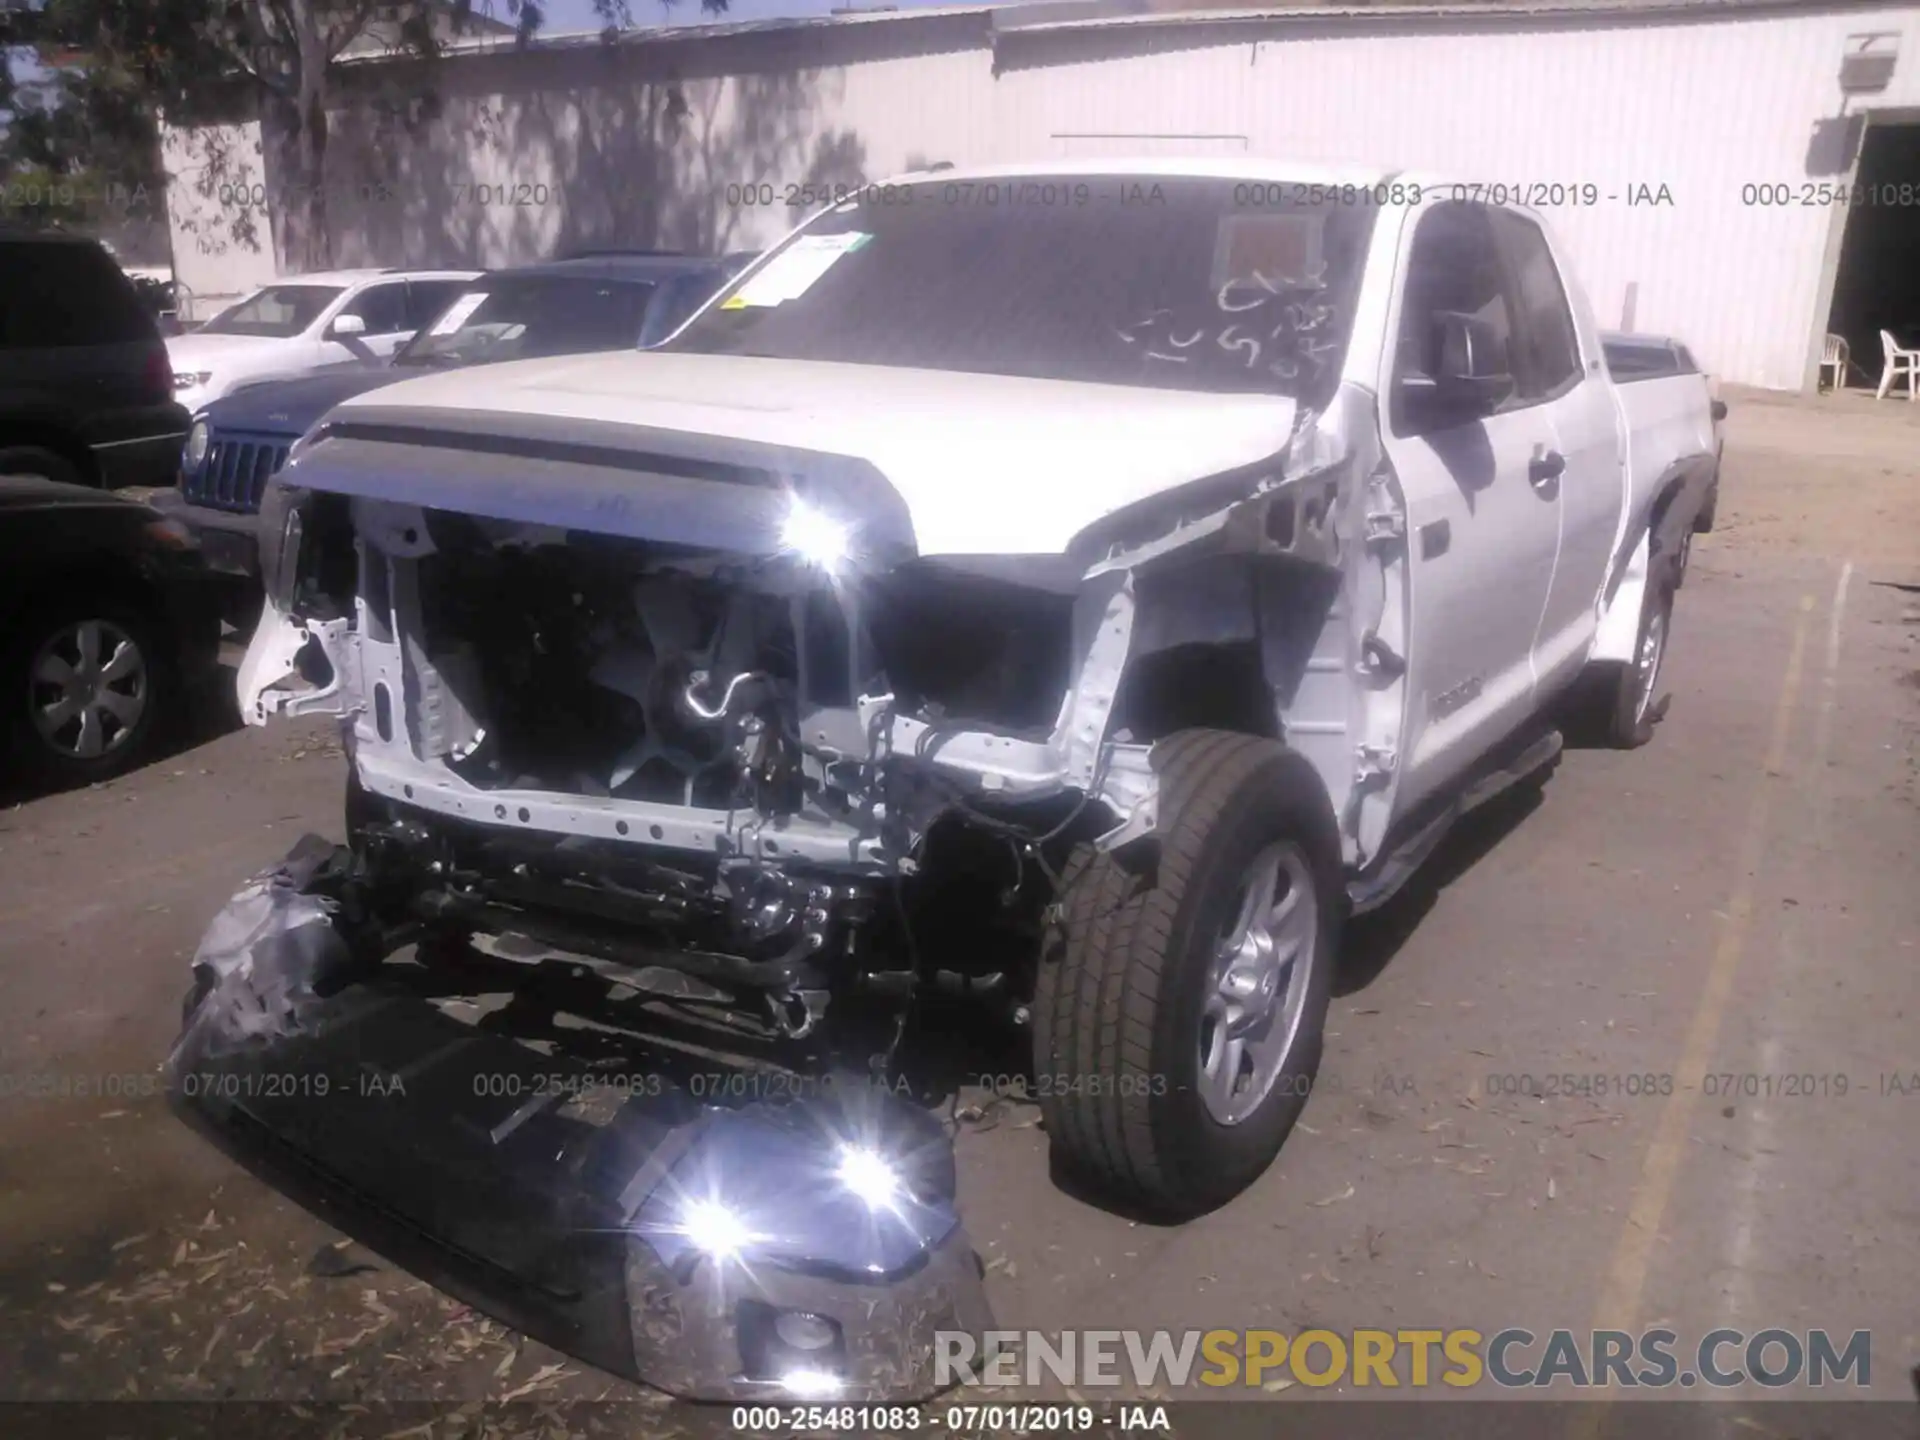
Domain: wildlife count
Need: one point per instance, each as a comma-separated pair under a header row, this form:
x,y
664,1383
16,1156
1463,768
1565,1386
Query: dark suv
x,y
86,392
600,301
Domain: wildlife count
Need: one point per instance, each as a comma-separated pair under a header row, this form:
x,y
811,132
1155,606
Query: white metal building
x,y
1720,171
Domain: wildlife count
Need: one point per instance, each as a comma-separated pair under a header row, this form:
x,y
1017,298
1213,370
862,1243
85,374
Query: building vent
x,y
1867,66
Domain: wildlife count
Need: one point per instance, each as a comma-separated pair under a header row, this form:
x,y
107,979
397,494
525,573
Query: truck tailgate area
x,y
1669,425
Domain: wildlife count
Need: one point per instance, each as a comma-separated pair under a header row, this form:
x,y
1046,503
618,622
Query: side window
x,y
1546,320
383,307
427,298
1454,268
60,293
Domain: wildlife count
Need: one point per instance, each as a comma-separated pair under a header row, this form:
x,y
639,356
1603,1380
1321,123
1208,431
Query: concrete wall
x,y
644,145
650,144
217,199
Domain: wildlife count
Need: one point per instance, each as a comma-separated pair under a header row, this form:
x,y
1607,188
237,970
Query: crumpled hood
x,y
289,407
986,464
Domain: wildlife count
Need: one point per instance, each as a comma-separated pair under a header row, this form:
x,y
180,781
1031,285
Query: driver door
x,y
1483,523
383,309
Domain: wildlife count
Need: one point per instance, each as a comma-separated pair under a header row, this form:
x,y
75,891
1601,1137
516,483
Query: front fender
x,y
276,674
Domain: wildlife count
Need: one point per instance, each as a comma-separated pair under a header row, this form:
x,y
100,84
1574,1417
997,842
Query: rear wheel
x,y
1621,701
1181,1000
40,463
1703,522
1682,559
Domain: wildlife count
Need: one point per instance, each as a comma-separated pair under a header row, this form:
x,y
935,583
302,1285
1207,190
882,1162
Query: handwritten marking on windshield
x,y
1299,341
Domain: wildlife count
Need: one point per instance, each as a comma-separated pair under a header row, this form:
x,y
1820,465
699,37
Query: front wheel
x,y
1180,1003
89,683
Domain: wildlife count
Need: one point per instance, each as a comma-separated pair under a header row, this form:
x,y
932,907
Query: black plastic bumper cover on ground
x,y
553,1197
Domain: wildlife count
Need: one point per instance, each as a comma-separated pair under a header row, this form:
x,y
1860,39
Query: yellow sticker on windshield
x,y
793,270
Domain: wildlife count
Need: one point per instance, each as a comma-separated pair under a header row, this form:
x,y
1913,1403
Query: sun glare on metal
x,y
869,1176
816,538
811,1384
710,1226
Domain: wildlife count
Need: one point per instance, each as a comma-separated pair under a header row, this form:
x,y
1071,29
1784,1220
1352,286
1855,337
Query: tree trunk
x,y
306,243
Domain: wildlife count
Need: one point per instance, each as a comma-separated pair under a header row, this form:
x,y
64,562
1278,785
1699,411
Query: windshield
x,y
518,317
1180,283
279,311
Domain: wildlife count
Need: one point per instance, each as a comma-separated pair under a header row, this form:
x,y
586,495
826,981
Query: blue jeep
x,y
606,300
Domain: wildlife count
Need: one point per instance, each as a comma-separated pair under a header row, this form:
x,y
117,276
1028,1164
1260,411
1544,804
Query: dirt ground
x,y
1736,898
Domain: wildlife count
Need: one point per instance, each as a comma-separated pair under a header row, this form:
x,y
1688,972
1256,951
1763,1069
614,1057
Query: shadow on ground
x,y
211,712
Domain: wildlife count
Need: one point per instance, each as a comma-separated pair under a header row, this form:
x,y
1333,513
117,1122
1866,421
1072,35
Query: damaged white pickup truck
x,y
1080,588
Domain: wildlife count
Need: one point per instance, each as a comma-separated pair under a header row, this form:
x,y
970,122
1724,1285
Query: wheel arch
x,y
1654,544
1619,630
42,431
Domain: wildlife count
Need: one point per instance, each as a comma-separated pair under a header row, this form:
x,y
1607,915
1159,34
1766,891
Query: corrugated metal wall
x,y
695,142
1703,110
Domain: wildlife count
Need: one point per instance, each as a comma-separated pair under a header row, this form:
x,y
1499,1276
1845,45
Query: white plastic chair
x,y
1835,357
1899,362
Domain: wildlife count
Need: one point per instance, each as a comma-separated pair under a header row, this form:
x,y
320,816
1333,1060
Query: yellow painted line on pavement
x,y
1626,1275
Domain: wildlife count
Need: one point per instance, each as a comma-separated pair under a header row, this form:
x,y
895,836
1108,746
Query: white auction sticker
x,y
457,313
792,272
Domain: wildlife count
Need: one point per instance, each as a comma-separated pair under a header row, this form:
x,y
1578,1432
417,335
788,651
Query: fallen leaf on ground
x,y
542,1378
1346,1194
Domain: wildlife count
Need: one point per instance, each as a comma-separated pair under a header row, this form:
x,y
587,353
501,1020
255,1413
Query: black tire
x,y
1126,974
197,990
1683,559
1621,707
38,461
1703,520
59,758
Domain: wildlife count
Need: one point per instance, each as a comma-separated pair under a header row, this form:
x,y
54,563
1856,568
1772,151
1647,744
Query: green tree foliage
x,y
111,69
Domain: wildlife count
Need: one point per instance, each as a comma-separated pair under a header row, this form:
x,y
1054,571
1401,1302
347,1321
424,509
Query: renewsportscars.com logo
x,y
1388,1359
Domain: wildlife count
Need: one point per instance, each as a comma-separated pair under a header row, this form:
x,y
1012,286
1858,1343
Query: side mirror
x,y
344,325
1472,375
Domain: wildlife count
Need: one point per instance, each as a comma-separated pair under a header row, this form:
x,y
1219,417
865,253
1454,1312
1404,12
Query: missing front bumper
x,y
549,1194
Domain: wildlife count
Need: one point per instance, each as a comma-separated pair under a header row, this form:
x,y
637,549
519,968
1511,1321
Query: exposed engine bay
x,y
613,669
757,781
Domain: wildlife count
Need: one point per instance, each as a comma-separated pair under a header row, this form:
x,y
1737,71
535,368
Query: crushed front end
x,y
697,719
681,782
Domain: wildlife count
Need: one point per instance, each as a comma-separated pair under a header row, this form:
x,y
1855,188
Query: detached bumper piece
x,y
806,1249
